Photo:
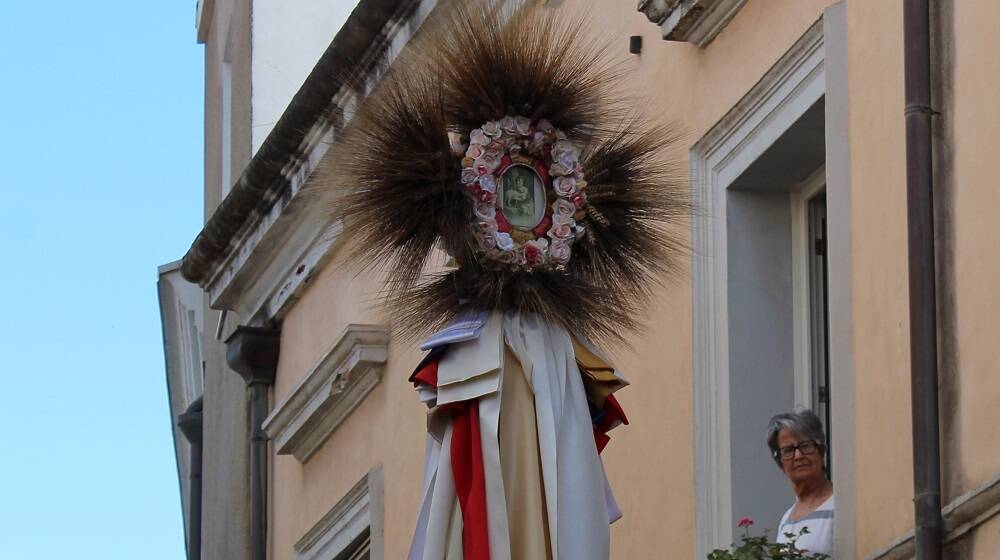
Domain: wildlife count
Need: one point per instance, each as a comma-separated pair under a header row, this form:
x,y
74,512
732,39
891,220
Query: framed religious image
x,y
522,197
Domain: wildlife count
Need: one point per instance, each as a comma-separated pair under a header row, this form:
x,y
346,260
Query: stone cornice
x,y
328,393
693,21
278,240
367,42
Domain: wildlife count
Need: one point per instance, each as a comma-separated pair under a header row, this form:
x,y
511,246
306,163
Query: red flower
x,y
532,254
745,522
578,199
487,197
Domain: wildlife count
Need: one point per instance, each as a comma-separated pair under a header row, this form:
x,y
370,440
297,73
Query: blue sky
x,y
101,148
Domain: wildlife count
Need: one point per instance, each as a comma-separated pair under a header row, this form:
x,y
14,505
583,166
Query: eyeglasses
x,y
807,447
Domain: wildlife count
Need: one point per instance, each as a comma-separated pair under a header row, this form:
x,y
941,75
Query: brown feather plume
x,y
396,182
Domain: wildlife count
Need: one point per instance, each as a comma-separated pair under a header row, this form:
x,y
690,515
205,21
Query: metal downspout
x,y
252,352
190,423
923,318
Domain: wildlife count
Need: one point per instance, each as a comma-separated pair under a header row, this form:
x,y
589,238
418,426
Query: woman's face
x,y
800,467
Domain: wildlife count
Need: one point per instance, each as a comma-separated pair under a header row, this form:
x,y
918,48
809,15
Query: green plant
x,y
758,548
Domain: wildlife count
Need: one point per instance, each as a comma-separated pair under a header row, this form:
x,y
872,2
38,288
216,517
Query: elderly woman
x,y
799,448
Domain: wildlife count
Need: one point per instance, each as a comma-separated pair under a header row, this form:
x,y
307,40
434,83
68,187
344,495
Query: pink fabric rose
x,y
474,151
469,175
561,231
562,207
487,197
485,211
560,251
564,186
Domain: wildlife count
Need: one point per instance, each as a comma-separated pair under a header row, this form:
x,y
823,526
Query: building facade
x,y
308,440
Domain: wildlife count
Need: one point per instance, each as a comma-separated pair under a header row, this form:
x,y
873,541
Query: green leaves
x,y
758,548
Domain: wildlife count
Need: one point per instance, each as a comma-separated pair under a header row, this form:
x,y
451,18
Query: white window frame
x,y
786,91
360,510
802,286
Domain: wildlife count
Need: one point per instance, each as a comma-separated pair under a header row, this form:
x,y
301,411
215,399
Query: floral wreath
x,y
527,187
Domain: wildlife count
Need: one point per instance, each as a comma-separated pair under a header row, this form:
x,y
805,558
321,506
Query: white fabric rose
x,y
504,241
508,125
544,125
492,129
562,147
523,125
488,183
537,141
477,136
567,160
561,219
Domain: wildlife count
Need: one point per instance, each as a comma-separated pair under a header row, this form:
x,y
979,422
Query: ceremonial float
x,y
499,141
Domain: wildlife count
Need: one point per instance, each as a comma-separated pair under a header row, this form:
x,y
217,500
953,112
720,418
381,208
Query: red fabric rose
x,y
578,199
532,254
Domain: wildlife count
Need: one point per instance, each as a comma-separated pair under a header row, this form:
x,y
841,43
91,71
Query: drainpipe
x,y
923,319
253,353
190,423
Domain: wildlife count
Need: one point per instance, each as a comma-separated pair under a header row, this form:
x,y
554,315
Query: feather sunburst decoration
x,y
397,181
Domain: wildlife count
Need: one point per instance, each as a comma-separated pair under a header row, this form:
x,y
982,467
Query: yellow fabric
x,y
599,379
521,466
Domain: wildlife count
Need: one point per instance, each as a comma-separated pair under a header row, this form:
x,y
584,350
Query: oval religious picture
x,y
522,197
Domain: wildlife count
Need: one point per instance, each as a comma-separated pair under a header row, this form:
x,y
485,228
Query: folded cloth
x,y
466,326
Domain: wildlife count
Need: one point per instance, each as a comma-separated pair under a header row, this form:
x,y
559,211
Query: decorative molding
x,y
358,512
783,94
329,392
961,516
693,21
287,240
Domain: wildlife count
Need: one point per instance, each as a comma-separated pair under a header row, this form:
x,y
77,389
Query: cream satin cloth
x,y
547,494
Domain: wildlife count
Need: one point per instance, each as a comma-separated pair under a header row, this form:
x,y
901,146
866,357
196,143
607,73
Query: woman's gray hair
x,y
803,423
